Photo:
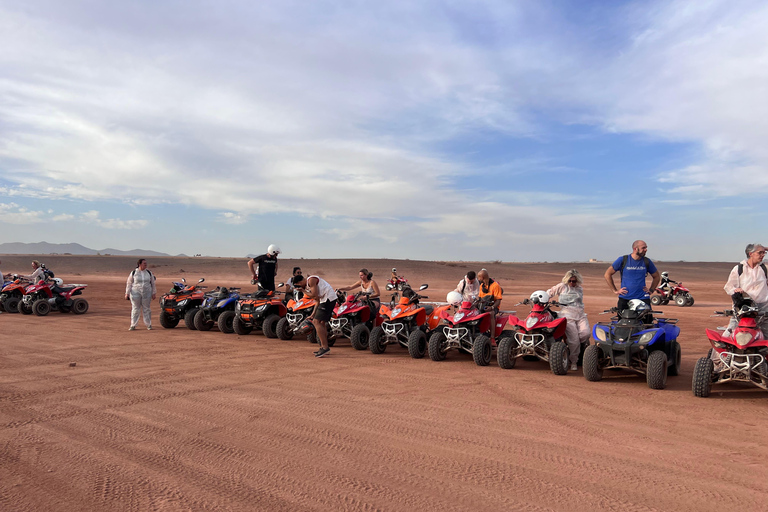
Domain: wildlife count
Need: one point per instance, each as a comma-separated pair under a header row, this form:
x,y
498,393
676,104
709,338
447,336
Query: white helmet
x,y
454,298
394,269
638,305
58,281
665,274
539,297
272,250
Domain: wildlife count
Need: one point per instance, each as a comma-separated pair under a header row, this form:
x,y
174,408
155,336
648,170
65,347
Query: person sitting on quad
x,y
37,275
490,287
664,284
4,277
570,295
750,277
633,269
289,285
393,277
267,268
469,287
367,285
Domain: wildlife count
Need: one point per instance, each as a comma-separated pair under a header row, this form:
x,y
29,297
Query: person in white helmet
x,y
570,295
266,270
140,289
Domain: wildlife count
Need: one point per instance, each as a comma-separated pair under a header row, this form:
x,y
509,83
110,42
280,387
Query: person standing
x,y
140,289
750,277
570,295
265,268
325,297
633,269
490,287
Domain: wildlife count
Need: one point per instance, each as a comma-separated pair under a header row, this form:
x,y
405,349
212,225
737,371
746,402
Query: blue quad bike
x,y
635,340
218,308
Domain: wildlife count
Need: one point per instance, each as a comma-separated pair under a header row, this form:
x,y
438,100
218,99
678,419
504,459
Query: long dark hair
x,y
368,275
138,263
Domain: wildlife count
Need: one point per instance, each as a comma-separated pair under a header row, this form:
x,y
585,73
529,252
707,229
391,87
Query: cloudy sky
x,y
482,130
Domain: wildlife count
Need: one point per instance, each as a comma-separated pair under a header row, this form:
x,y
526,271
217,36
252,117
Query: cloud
x,y
94,217
12,213
232,218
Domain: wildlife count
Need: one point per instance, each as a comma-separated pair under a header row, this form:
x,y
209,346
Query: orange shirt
x,y
493,289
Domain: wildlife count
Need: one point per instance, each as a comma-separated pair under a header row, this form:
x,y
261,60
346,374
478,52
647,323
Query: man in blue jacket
x,y
633,269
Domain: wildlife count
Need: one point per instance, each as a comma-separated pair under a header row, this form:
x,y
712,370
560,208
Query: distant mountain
x,y
73,248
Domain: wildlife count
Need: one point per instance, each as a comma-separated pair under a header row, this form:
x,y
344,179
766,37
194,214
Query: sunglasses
x,y
573,280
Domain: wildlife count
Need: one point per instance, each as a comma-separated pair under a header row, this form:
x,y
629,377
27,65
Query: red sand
x,y
187,420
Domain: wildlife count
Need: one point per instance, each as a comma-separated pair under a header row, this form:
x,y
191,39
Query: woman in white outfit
x,y
571,296
140,288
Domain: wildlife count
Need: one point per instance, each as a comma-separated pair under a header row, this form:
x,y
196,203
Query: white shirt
x,y
324,289
36,276
571,300
468,291
140,280
751,280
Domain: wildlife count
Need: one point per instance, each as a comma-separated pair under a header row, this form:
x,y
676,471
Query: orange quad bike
x,y
406,323
181,302
298,309
12,294
260,310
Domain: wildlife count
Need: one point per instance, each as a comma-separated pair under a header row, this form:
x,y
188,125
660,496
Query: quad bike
x,y
261,310
12,294
635,341
679,294
353,318
298,310
398,283
44,297
541,336
218,308
405,323
181,302
466,330
740,357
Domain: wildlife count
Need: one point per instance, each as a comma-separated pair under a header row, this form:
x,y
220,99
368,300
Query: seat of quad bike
x,y
62,289
262,294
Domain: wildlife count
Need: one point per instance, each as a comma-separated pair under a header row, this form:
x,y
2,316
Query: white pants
x,y
576,333
141,299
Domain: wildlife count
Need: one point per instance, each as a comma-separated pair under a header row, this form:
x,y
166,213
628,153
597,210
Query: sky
x,y
453,130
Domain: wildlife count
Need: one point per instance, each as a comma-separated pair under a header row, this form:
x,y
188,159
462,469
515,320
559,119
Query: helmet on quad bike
x,y
223,293
305,327
273,250
59,281
539,297
454,298
638,305
665,274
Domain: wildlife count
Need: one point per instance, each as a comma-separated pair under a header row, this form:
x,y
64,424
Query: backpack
x,y
133,273
624,261
762,265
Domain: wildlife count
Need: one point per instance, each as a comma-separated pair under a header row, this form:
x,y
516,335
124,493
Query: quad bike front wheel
x,y
240,327
690,301
482,351
591,367
681,301
657,370
656,300
11,304
558,358
376,342
269,326
201,324
676,359
437,346
505,353
360,336
167,321
283,329
417,344
226,318
702,377
41,307
189,319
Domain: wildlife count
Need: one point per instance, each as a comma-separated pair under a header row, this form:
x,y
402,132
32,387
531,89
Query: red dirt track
x,y
187,420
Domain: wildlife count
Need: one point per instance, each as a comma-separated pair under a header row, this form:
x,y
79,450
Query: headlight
x,y
531,321
162,301
645,338
341,309
458,316
182,302
261,308
395,311
237,307
601,335
743,338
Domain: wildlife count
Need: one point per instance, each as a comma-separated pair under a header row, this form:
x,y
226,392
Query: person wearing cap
x,y
469,287
264,268
750,277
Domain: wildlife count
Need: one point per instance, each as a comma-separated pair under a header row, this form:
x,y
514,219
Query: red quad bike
x,y
299,308
466,330
12,295
180,302
262,310
41,298
398,283
353,318
540,336
741,357
680,295
406,322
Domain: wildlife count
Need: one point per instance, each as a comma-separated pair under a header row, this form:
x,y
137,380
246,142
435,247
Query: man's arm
x,y
732,285
250,267
275,269
655,282
609,279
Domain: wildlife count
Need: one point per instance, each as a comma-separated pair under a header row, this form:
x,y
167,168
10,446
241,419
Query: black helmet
x,y
223,293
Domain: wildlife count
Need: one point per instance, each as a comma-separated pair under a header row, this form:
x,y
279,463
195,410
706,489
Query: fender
x,y
436,316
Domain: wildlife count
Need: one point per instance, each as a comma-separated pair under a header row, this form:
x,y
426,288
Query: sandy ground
x,y
187,420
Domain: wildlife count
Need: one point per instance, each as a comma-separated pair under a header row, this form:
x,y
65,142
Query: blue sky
x,y
485,130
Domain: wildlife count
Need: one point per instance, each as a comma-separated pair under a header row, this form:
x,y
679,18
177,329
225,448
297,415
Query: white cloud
x,y
232,218
12,213
94,217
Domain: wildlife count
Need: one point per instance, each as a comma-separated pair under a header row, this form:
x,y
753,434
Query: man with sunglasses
x,y
750,277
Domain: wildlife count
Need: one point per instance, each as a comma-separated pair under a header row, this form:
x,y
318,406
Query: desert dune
x,y
187,420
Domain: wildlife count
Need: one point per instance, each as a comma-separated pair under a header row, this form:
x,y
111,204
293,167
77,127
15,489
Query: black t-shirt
x,y
267,270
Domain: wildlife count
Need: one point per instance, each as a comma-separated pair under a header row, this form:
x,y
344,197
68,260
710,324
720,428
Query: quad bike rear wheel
x,y
482,351
591,367
506,352
656,300
11,304
376,342
201,324
167,321
359,337
558,358
269,325
41,307
240,327
225,322
437,346
283,329
657,370
702,377
80,306
189,319
677,358
417,344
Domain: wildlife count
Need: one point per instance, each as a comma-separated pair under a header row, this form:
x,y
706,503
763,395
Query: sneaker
x,y
322,352
132,328
149,328
574,368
